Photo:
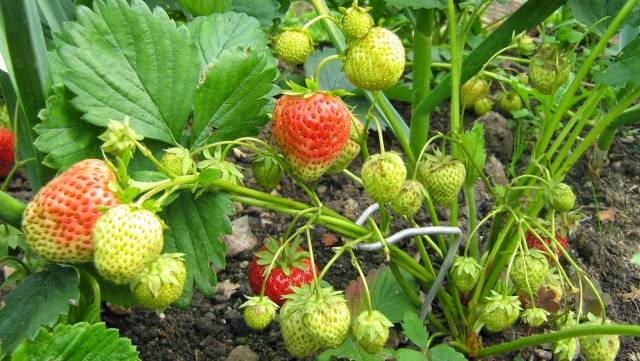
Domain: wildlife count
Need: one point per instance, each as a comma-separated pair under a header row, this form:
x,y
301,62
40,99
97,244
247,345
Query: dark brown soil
x,y
211,328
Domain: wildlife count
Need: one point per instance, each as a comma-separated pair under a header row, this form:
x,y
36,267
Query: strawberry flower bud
x,y
119,137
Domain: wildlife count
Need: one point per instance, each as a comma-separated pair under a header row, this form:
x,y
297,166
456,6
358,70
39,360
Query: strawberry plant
x,y
126,117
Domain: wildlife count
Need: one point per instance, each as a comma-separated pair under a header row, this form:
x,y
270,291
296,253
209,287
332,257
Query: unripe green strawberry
x,y
326,316
523,78
375,62
356,23
177,160
259,312
59,220
534,317
533,268
565,350
293,45
298,341
509,102
473,90
500,312
126,240
371,330
548,71
525,44
465,273
442,176
561,197
599,347
383,176
267,171
161,282
409,200
482,106
351,150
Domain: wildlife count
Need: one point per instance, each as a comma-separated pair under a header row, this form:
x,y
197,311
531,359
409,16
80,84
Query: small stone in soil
x,y
242,239
242,353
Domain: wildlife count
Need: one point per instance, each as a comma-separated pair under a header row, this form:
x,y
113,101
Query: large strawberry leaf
x,y
82,341
625,70
232,100
122,59
219,32
195,229
64,135
37,301
264,10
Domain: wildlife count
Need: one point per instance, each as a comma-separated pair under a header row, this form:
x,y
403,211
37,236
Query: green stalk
x,y
565,103
605,139
421,77
582,330
456,61
473,219
11,210
597,130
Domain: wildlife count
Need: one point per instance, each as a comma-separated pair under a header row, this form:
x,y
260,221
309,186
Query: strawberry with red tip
x,y
292,267
6,151
534,243
59,221
311,128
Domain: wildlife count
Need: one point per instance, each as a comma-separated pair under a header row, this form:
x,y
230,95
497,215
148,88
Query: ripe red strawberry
x,y
59,221
534,243
292,268
312,130
6,151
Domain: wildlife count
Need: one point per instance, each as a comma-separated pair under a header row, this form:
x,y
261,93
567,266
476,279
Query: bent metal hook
x,y
412,232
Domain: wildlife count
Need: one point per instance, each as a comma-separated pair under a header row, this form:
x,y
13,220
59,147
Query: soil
x,y
212,327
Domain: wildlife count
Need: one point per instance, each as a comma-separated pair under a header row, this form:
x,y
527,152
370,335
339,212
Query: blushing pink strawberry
x,y
59,220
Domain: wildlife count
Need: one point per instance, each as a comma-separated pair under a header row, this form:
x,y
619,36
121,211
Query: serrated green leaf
x,y
63,134
351,350
407,354
388,297
217,33
445,353
414,329
231,101
418,4
79,342
590,12
37,301
626,68
123,59
195,229
206,7
473,141
332,77
264,10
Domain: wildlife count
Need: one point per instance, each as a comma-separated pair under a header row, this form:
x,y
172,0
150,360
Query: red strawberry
x,y
312,130
6,151
292,268
59,221
534,243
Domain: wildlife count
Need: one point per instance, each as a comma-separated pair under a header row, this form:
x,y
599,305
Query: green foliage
x,y
388,297
195,229
625,70
414,330
473,141
264,10
332,77
417,333
65,137
124,60
231,102
596,12
38,301
79,342
418,4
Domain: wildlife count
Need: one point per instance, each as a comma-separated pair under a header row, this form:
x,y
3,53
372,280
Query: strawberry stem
x,y
308,24
313,261
356,265
322,64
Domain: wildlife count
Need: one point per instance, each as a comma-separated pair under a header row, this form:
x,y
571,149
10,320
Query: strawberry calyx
x,y
291,256
311,87
439,160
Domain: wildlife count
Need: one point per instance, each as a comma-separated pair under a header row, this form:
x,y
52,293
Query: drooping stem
x,y
582,330
354,262
11,210
322,64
